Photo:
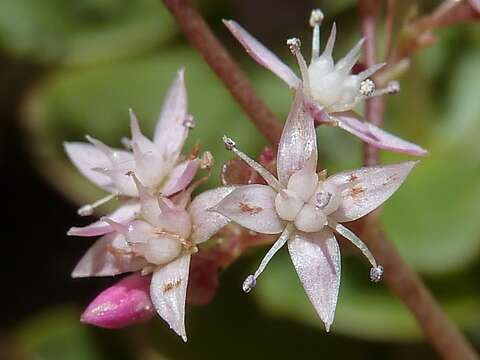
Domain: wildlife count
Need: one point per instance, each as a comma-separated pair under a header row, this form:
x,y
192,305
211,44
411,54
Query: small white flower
x,y
306,208
330,89
158,163
160,241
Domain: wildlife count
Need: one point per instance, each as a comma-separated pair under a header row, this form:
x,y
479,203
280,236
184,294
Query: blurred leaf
x,y
433,218
69,105
364,310
56,335
78,32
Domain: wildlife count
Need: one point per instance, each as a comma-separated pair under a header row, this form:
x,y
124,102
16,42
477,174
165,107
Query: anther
x,y
294,45
322,199
316,17
85,210
126,143
189,122
229,143
376,273
249,284
367,87
207,161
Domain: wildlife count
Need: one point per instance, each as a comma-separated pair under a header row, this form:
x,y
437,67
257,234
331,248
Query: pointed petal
x,y
170,132
365,189
206,223
375,136
180,177
253,207
298,143
346,63
86,158
327,52
102,259
262,55
316,257
148,202
124,214
123,304
168,291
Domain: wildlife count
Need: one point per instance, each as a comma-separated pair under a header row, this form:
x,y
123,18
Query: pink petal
x,y
168,291
124,214
102,260
365,189
86,158
253,207
475,4
316,257
298,144
171,132
377,137
262,55
123,304
180,177
206,223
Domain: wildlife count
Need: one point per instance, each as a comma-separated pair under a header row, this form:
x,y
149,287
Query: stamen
x,y
189,122
367,87
316,17
251,280
392,87
126,143
264,173
377,270
88,209
294,45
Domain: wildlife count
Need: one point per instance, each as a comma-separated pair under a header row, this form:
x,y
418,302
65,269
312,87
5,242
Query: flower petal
x,y
253,207
106,257
123,304
298,144
86,158
124,214
316,257
168,291
365,189
375,136
206,223
180,177
171,132
262,55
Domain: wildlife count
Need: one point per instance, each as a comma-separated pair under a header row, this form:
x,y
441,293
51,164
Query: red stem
x,y
204,40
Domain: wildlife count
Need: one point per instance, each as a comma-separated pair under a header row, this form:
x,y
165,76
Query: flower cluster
x,y
158,227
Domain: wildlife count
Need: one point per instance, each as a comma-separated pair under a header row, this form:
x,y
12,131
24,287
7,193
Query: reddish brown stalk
x,y
444,335
374,107
202,38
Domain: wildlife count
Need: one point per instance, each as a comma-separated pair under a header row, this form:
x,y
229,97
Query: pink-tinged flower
x,y
307,208
160,242
158,163
329,89
125,303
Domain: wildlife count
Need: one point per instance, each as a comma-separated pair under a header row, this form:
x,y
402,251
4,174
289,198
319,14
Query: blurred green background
x,y
70,68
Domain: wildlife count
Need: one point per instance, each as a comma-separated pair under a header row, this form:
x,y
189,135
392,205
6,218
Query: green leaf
x,y
56,334
82,32
364,310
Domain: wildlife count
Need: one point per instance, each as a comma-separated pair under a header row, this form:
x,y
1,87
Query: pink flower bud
x,y
123,304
